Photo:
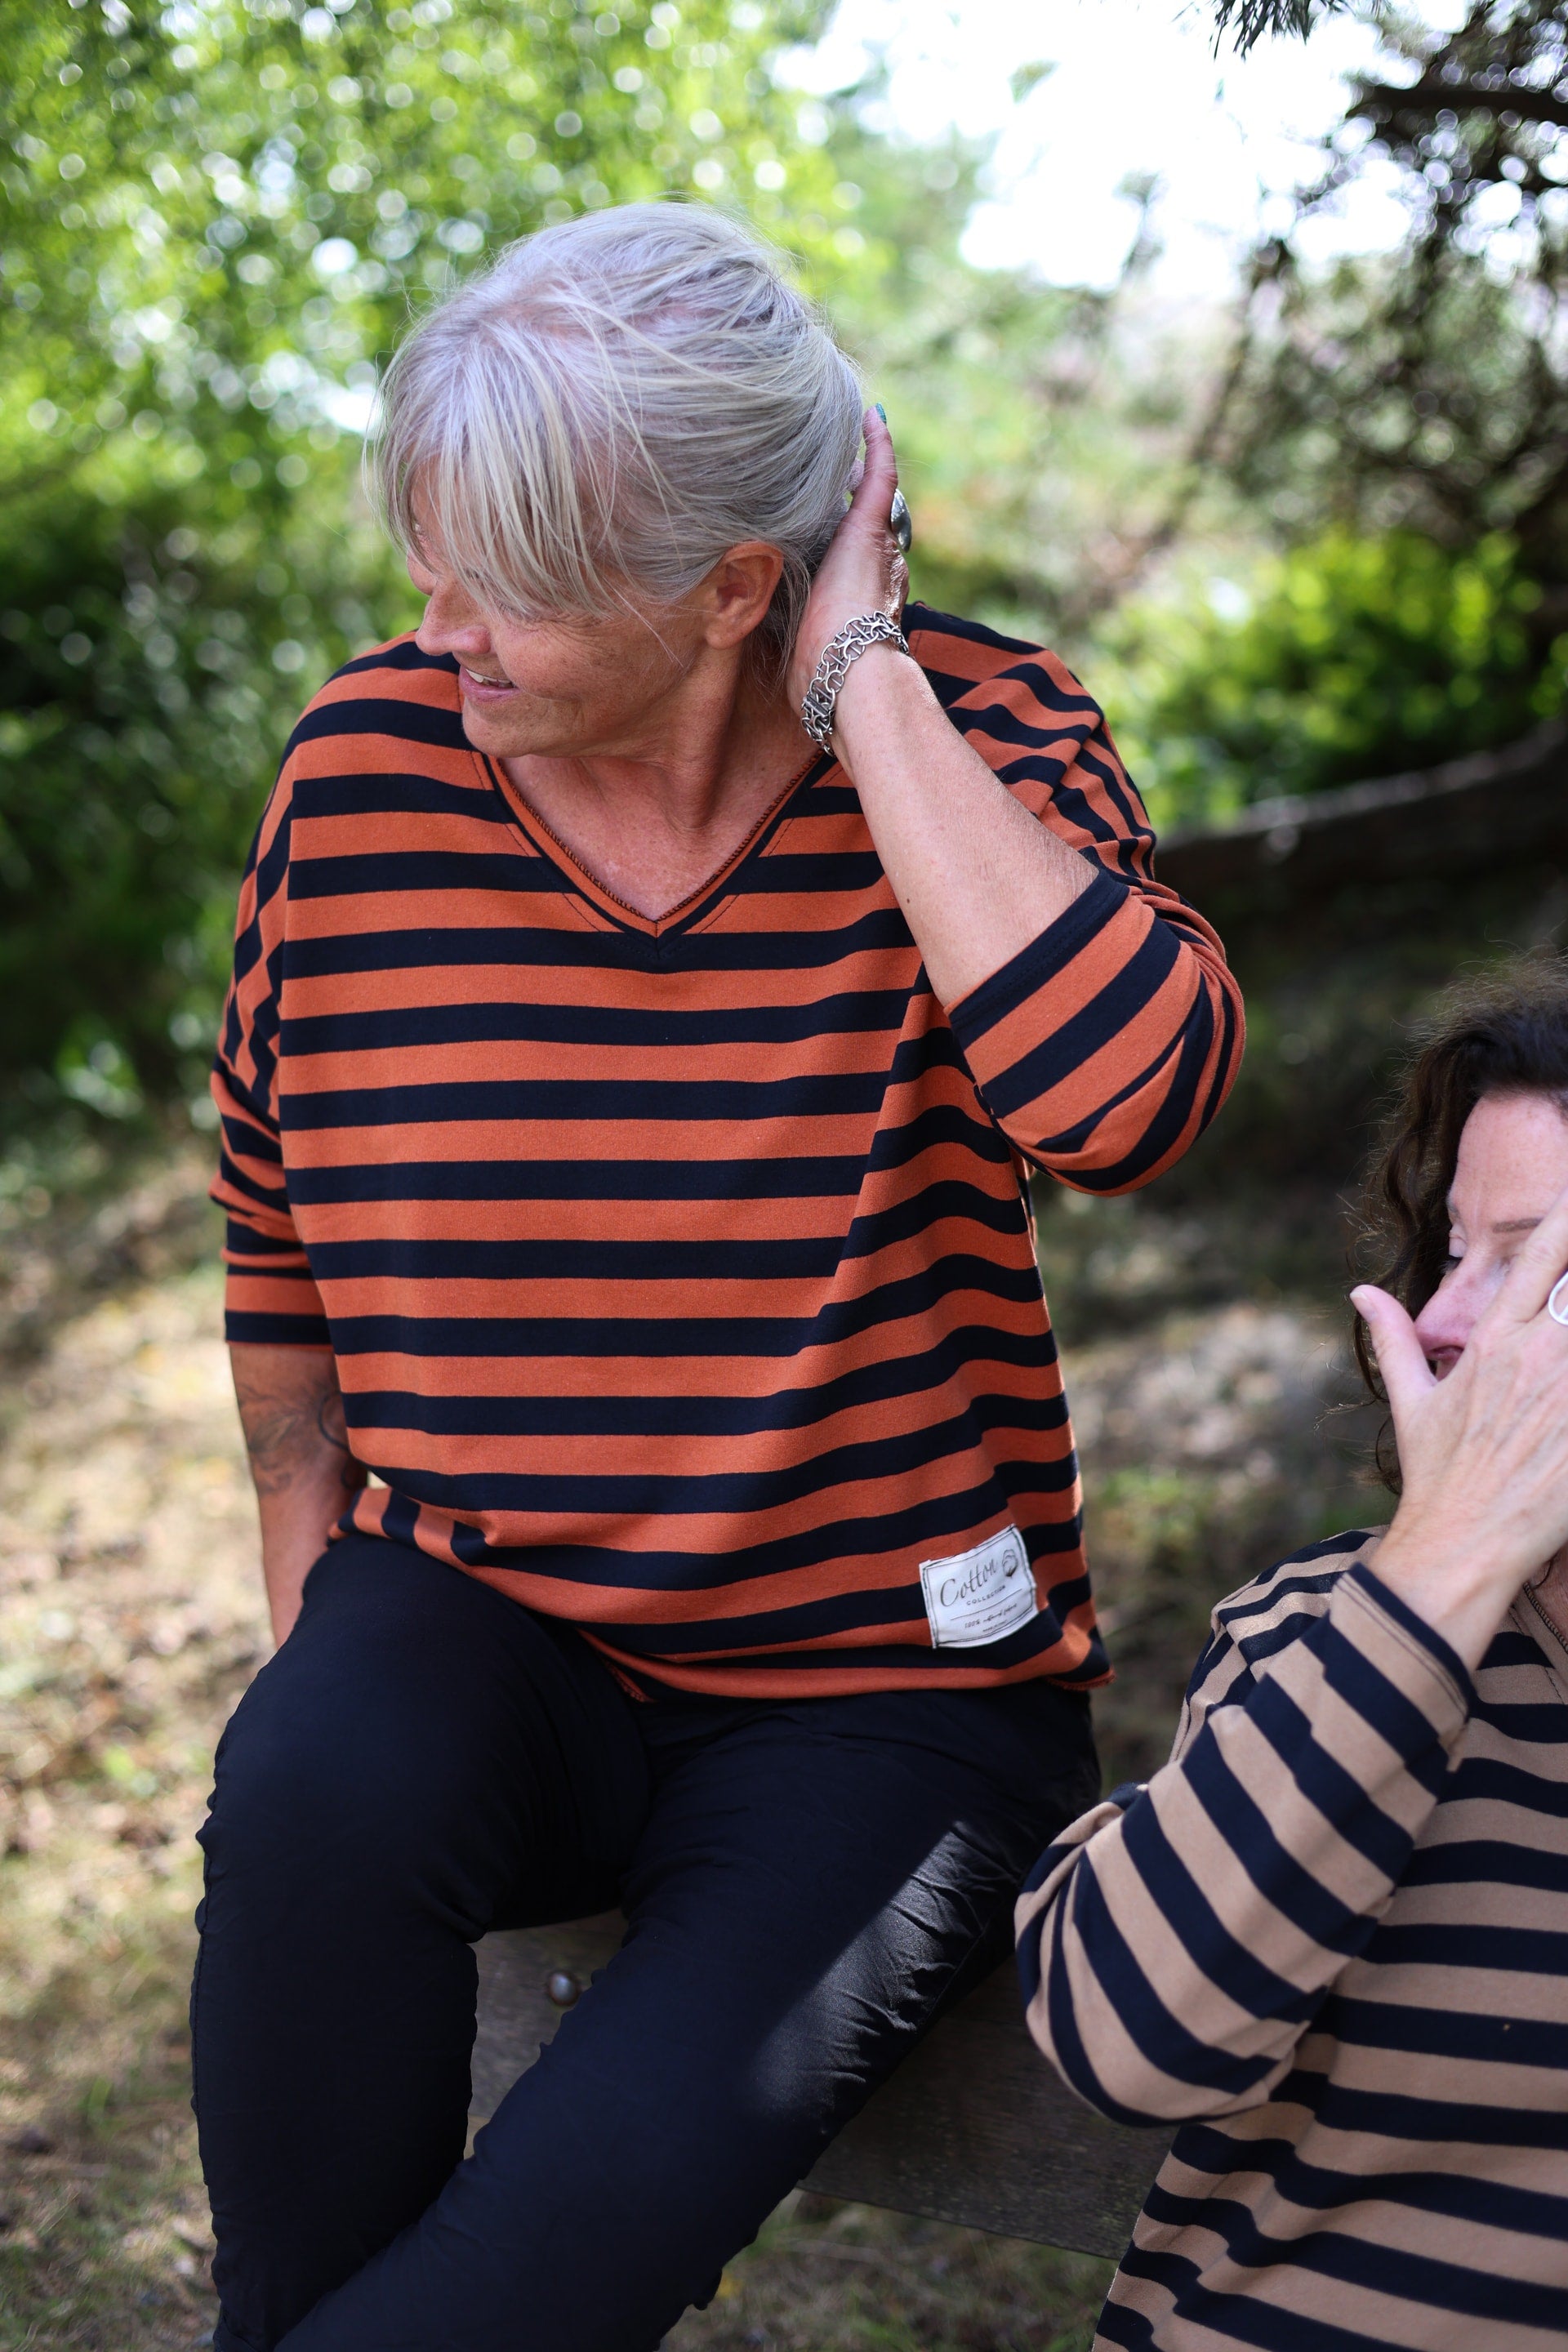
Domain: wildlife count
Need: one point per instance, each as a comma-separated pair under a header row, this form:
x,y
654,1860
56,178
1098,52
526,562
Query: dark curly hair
x,y
1501,1033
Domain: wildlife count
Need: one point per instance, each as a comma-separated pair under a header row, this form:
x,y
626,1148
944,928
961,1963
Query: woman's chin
x,y
505,725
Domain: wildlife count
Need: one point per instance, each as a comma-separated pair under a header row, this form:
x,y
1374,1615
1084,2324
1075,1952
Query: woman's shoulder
x,y
1262,1617
395,678
963,658
386,696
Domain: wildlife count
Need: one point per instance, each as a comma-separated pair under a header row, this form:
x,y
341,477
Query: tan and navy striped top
x,y
1330,1940
679,1272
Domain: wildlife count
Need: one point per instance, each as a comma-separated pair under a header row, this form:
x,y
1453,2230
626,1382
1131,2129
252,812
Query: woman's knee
x,y
356,1757
419,1738
305,1806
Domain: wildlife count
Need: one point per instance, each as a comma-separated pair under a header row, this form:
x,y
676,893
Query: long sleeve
x,y
1105,1047
272,1297
1175,1952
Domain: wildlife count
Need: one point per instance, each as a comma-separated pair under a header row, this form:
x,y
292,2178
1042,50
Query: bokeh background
x,y
1240,377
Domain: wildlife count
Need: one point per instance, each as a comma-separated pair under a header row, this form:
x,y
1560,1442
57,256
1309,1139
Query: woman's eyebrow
x,y
1516,1225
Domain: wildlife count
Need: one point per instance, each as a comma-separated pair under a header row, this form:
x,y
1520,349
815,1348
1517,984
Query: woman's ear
x,y
736,594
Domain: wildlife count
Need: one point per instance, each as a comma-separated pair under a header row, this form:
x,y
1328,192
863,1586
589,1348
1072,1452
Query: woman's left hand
x,y
864,570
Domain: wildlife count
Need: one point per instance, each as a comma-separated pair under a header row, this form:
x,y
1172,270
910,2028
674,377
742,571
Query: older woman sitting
x,y
1330,1937
628,1103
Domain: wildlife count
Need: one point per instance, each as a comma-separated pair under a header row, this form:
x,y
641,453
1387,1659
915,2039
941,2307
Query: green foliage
x,y
148,672
1353,656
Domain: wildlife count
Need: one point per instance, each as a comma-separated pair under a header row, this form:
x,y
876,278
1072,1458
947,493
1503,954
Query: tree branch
x,y
1250,20
1430,95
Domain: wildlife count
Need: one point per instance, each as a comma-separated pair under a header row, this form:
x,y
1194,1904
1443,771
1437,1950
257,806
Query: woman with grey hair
x,y
656,979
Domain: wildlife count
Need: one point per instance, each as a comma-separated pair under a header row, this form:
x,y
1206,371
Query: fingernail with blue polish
x,y
880,410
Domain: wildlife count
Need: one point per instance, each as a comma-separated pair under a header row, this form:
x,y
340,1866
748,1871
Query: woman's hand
x,y
977,877
1483,1453
864,570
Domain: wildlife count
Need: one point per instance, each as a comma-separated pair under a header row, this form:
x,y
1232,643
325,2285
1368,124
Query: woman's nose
x,y
1444,1324
450,626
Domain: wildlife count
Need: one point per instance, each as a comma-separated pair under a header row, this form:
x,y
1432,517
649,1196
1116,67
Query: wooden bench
x,y
972,2127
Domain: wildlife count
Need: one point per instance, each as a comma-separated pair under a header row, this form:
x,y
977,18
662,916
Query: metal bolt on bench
x,y
972,2127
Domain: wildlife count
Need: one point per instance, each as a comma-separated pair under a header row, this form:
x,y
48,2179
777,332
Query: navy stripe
x,y
742,1495
695,1417
579,1180
549,1258
1154,2030
709,1179
849,1015
1456,2196
1090,1030
404,722
1456,2034
1043,961
685,1335
547,1101
243,1329
653,1568
516,946
1203,1935
1380,2268
387,791
404,872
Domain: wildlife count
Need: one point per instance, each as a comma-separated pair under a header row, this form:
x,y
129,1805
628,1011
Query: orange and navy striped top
x,y
680,1273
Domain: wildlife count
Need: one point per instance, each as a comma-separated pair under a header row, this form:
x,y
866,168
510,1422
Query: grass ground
x,y
129,1621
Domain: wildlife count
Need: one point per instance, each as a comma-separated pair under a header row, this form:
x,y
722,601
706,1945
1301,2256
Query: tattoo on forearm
x,y
285,1432
332,1422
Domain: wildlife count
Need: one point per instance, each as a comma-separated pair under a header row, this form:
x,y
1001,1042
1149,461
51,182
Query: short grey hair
x,y
610,406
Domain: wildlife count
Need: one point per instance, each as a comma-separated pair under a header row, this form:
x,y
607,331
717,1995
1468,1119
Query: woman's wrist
x,y
842,656
1447,1577
883,689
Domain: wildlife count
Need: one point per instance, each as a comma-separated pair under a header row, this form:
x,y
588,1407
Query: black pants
x,y
805,1881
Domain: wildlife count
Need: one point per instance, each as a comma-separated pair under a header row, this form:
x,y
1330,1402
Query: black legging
x,y
806,1880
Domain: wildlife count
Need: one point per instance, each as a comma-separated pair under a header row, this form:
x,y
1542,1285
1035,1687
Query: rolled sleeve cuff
x,y
1091,1047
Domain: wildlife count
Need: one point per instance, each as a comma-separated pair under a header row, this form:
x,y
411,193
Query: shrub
x,y
1351,657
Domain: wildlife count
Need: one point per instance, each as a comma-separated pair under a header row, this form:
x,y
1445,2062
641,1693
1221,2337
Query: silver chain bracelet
x,y
822,694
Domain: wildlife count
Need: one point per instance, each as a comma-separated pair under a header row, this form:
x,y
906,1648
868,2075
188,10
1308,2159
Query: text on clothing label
x,y
978,1596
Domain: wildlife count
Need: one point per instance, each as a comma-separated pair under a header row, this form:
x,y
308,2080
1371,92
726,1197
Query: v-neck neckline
x,y
549,844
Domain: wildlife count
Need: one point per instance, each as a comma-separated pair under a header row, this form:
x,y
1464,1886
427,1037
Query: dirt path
x,y
129,1621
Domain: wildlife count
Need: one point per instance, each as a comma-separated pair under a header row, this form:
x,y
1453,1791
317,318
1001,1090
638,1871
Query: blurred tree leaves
x,y
1348,657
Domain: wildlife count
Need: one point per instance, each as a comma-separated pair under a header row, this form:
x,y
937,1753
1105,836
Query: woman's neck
x,y
652,822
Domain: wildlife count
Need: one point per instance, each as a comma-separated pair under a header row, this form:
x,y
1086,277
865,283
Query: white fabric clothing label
x,y
978,1596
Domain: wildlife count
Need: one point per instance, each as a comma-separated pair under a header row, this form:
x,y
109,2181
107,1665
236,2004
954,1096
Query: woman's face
x,y
1512,1164
581,687
556,689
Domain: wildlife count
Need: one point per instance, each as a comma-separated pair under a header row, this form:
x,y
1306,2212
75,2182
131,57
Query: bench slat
x,y
972,2127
